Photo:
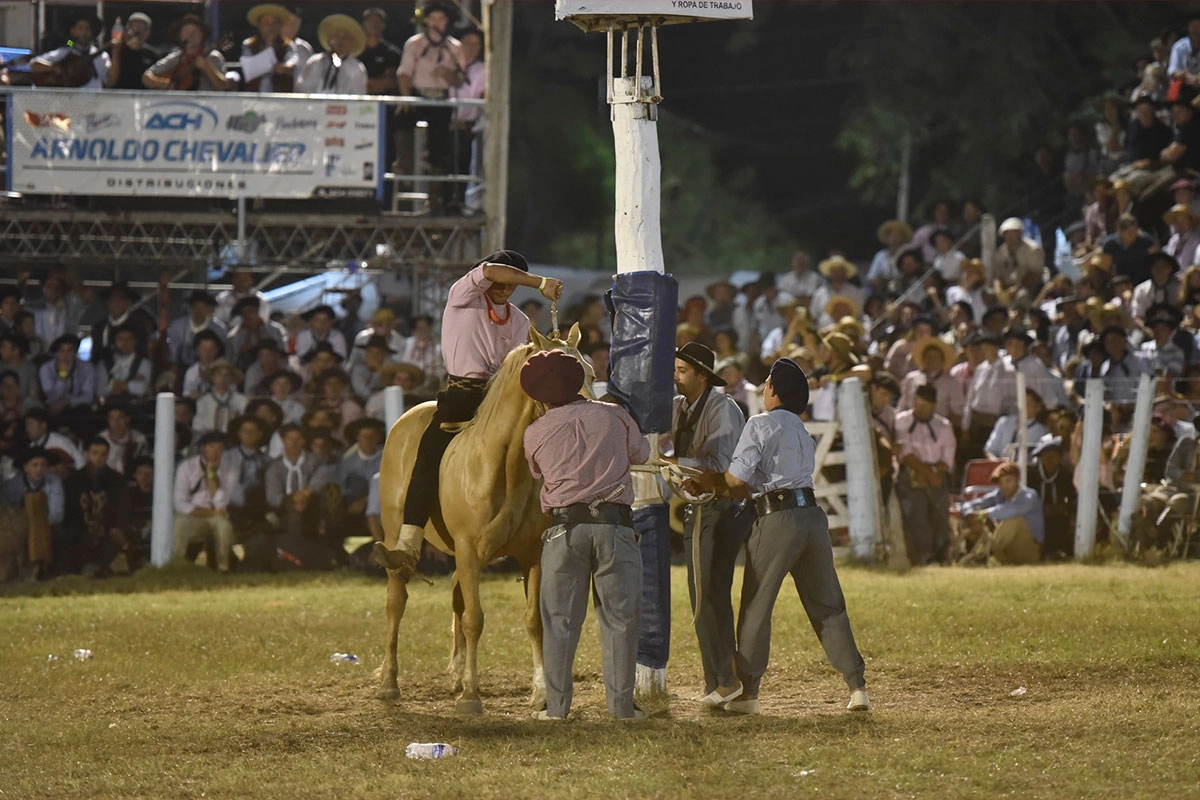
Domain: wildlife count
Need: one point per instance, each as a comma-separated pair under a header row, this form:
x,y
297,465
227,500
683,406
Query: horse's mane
x,y
509,372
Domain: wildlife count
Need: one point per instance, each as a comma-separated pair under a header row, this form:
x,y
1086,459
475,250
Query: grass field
x,y
201,687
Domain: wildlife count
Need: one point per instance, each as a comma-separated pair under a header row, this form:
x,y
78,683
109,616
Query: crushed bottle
x,y
430,750
343,658
83,655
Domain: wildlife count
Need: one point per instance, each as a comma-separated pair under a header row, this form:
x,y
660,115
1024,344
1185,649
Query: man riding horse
x,y
479,328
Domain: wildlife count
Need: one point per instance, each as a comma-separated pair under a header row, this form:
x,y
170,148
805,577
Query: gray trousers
x,y
718,555
926,514
794,542
607,558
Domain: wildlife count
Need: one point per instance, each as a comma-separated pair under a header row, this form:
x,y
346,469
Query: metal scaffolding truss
x,y
32,237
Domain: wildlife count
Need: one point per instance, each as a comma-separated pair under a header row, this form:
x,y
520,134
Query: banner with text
x,y
193,145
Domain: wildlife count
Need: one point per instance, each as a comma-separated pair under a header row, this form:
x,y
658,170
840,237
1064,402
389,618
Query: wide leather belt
x,y
585,514
784,499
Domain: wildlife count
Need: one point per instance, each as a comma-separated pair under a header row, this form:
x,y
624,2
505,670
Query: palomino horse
x,y
488,507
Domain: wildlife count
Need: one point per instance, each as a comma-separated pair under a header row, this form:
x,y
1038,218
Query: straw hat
x,y
219,364
268,10
388,373
1179,211
348,25
1100,261
828,265
851,327
920,347
891,226
975,265
841,301
840,343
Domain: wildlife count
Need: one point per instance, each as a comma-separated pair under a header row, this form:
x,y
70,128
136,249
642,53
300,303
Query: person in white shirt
x,y
947,260
78,63
217,407
969,288
838,272
53,319
304,50
181,334
123,372
243,287
320,329
269,19
125,445
802,280
337,70
383,323
38,434
202,491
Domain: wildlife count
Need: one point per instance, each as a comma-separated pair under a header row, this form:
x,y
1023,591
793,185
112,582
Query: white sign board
x,y
594,14
192,145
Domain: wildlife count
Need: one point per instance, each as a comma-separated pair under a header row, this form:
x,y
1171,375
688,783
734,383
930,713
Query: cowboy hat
x,y
552,377
383,315
975,265
219,364
841,300
703,359
1178,211
920,347
851,327
388,373
829,264
268,9
1012,224
840,343
352,429
1166,258
892,225
345,24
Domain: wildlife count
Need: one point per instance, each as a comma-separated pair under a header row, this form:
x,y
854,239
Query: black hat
x,y
321,309
38,412
124,327
66,338
1145,97
1112,329
212,437
941,231
201,296
374,11
994,310
294,379
1154,258
183,399
915,252
91,19
509,258
1048,443
352,429
6,372
790,384
377,340
702,359
974,337
30,454
244,303
236,424
320,347
16,340
323,432
1017,332
122,288
927,392
1163,313
451,12
208,335
884,380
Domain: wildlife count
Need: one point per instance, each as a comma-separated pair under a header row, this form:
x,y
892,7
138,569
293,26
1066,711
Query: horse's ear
x,y
536,338
574,336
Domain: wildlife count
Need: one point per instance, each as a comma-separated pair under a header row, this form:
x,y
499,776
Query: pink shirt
x,y
472,345
950,396
422,57
930,443
582,451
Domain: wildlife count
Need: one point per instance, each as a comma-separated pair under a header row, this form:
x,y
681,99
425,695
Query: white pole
x,y
987,244
393,405
1089,469
862,490
902,191
1139,443
1022,429
635,138
162,523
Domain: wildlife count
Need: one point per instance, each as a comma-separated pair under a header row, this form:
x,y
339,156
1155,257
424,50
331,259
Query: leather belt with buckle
x,y
585,514
784,499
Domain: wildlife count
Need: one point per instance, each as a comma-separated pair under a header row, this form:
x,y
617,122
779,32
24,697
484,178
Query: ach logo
x,y
178,116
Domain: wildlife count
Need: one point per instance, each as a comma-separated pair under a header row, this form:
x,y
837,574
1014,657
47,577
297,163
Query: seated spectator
x,y
1019,260
53,319
745,393
122,372
250,330
925,443
39,436
333,395
838,273
97,528
383,323
365,377
1162,352
408,377
292,483
193,65
243,288
337,70
1004,435
121,313
182,333
283,387
1189,288
269,19
837,352
13,351
131,55
882,393
248,460
272,417
1147,136
140,495
38,493
894,235
10,307
218,407
355,470
322,442
1158,453
125,445
1183,153
1161,288
721,293
27,331
208,347
320,330
1130,249
68,384
725,342
13,405
947,261
185,411
1081,162
1184,243
1123,367
1018,341
1050,477
270,357
77,64
1006,524
202,491
899,360
794,321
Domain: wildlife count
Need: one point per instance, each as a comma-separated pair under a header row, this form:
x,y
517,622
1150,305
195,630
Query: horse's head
x,y
569,345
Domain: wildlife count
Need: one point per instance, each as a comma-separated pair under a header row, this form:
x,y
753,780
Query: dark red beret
x,y
552,377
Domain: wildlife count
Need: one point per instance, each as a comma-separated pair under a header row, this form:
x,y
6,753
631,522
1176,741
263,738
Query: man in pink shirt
x,y
582,451
926,445
479,328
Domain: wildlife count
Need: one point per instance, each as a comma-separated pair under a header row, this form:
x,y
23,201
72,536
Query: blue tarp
x,y
642,356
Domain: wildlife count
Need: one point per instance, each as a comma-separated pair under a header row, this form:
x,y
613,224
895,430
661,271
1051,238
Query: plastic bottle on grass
x,y
83,655
343,658
430,750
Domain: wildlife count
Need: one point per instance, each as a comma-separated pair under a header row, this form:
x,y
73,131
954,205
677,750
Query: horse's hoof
x,y
388,693
468,707
538,700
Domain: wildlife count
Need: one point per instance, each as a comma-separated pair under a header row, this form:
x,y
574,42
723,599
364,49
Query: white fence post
x,y
162,522
1089,469
393,406
862,477
1022,430
1139,444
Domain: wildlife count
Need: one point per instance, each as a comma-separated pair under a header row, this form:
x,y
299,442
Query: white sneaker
x,y
743,706
859,701
544,715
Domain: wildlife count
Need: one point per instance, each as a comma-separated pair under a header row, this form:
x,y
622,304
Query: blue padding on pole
x,y
642,357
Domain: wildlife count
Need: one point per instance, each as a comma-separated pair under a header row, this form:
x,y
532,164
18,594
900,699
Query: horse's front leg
x,y
467,562
459,647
